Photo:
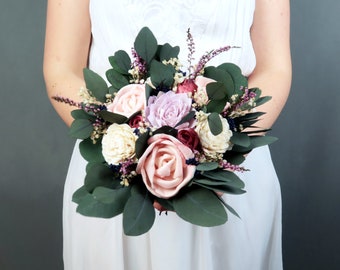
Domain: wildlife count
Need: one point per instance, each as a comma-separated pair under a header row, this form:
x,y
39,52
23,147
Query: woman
x,y
81,33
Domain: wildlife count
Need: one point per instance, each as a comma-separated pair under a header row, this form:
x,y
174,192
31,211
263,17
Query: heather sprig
x,y
206,58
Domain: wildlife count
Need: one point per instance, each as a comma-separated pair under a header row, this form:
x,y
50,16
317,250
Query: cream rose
x,y
213,145
163,166
200,96
129,99
118,144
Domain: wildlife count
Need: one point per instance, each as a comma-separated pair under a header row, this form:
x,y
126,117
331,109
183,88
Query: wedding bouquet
x,y
159,134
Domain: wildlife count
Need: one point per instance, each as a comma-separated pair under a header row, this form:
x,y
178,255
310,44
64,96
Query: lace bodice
x,y
213,24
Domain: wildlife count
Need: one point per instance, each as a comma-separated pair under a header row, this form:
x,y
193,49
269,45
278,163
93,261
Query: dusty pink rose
x,y
163,166
129,99
167,109
189,138
187,86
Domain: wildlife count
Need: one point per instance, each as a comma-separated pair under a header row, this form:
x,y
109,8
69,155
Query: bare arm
x,y
270,35
68,35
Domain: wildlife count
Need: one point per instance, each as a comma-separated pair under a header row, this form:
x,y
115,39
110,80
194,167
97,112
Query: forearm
x,y
274,83
64,85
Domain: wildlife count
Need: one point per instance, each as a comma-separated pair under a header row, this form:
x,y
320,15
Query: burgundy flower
x,y
189,138
136,121
188,86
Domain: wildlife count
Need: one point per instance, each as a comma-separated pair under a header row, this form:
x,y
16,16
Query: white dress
x,y
250,243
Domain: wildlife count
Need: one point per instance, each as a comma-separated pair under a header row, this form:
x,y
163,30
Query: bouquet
x,y
159,134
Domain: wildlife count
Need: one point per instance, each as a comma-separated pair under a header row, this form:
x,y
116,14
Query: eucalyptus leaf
x,y
167,52
99,175
240,138
166,130
91,152
161,74
250,116
118,196
221,76
81,129
207,166
81,114
113,117
139,213
89,206
256,141
236,74
216,91
186,118
200,207
116,79
216,106
230,209
234,157
79,194
215,123
146,45
221,188
96,84
142,144
121,62
262,100
226,176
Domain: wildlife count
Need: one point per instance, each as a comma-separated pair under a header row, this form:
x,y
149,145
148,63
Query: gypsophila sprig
x,y
161,132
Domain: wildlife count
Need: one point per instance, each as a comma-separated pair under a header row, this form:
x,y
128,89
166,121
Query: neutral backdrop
x,y
35,147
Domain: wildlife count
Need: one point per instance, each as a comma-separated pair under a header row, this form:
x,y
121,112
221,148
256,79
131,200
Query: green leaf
x,y
89,206
117,196
79,194
234,157
116,79
166,130
161,74
207,166
167,52
200,207
240,139
217,95
91,152
216,106
121,62
99,175
81,129
250,116
113,117
236,74
228,177
255,141
221,76
219,187
142,144
215,123
260,101
81,114
146,45
230,209
139,213
216,91
96,84
186,118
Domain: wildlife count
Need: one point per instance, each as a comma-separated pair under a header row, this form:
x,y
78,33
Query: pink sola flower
x,y
167,109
